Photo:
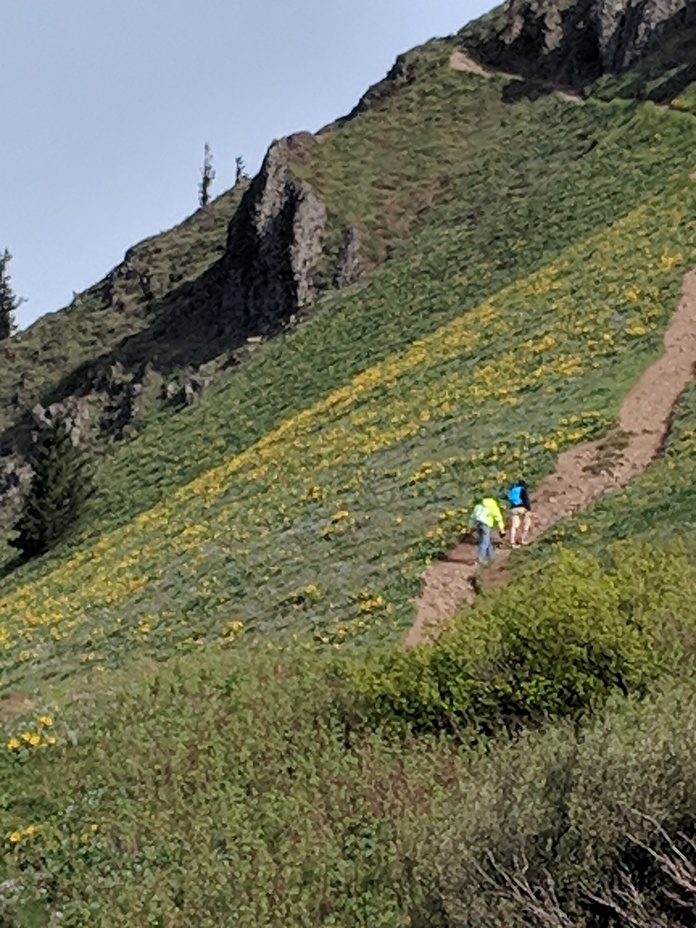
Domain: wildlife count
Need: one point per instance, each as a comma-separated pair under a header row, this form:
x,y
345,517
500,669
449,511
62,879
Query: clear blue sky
x,y
107,105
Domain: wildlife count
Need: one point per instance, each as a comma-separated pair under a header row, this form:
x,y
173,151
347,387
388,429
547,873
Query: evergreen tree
x,y
8,300
240,173
207,176
59,487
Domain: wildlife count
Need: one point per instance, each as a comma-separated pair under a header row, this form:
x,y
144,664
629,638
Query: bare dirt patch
x,y
460,61
14,704
582,473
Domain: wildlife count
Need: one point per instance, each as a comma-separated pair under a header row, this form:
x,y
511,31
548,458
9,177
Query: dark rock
x,y
350,262
573,42
275,244
73,412
15,477
401,74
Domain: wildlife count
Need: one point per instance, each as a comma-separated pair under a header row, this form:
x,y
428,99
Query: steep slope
x,y
531,294
582,473
181,738
171,316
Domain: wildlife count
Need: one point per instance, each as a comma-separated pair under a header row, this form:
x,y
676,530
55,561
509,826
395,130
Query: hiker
x,y
520,513
485,516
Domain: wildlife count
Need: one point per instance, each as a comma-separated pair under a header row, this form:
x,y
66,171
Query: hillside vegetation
x,y
503,337
209,720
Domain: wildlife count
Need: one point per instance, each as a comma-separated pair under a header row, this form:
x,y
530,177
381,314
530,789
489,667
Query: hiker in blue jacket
x,y
520,513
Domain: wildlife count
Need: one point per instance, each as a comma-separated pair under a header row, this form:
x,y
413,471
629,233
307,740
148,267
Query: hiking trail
x,y
460,61
582,473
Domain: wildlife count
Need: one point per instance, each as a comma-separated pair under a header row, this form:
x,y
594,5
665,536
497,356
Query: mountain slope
x,y
483,270
509,326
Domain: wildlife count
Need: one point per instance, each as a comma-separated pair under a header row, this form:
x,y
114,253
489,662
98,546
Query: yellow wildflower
x,y
15,837
45,720
13,744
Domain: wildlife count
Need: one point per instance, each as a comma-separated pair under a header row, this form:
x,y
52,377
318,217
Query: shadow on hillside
x,y
526,89
666,67
250,291
188,329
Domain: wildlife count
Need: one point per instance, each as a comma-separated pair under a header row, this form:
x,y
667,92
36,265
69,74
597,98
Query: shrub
x,y
559,815
555,644
58,489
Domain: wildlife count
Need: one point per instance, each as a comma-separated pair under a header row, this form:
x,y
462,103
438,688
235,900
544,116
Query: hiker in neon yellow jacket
x,y
485,516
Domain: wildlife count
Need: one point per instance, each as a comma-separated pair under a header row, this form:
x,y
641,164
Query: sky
x,y
107,104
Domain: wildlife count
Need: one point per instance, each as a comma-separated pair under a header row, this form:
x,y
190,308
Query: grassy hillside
x,y
279,768
115,321
327,472
228,790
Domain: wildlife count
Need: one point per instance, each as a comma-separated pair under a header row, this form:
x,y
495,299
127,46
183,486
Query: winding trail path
x,y
581,475
460,61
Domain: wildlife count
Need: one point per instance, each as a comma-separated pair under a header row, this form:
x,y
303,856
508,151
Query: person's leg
x,y
514,526
490,549
483,533
526,527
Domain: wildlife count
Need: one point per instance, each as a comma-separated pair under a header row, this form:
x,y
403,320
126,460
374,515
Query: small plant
x,y
240,172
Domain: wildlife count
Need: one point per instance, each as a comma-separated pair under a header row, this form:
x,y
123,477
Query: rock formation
x,y
276,243
575,41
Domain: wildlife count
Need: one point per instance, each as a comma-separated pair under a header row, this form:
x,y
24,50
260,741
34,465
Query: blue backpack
x,y
515,495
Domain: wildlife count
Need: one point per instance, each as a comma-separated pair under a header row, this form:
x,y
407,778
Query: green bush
x,y
556,815
59,488
555,644
223,790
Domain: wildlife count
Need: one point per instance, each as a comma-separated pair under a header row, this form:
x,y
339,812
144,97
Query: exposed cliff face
x,y
576,41
178,332
276,242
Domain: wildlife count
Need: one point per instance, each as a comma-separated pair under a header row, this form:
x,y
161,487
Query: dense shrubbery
x,y
556,643
225,791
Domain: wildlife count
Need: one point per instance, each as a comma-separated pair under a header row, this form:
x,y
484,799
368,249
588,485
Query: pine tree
x,y
240,173
8,300
59,487
207,176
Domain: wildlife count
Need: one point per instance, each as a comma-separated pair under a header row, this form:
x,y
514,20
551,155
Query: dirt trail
x,y
460,61
580,475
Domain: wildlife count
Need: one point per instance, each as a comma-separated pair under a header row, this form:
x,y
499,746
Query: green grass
x,y
189,759
306,495
658,507
226,791
102,318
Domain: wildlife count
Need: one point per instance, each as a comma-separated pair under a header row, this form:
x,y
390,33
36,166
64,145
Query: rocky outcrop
x,y
281,250
351,262
275,247
15,477
401,74
573,42
74,413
